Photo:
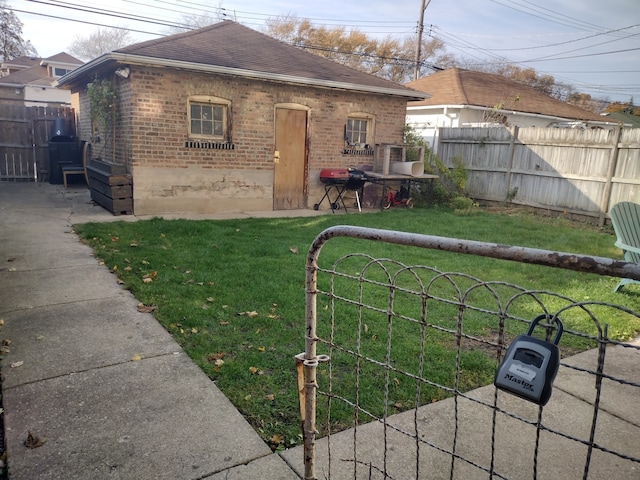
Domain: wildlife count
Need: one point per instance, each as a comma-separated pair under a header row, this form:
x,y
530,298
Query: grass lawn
x,y
232,292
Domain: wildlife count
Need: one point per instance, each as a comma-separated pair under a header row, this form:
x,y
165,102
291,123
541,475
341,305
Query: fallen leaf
x,y
115,239
142,308
398,405
396,381
219,362
209,299
33,441
194,330
127,269
271,397
133,244
262,349
277,439
252,370
224,323
271,315
136,358
115,268
17,364
147,280
293,249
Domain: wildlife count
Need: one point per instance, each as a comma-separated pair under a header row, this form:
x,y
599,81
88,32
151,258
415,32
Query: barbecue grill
x,y
336,182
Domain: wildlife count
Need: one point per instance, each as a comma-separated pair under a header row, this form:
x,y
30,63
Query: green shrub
x,y
452,181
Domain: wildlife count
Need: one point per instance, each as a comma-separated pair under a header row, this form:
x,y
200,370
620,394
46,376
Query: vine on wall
x,y
102,106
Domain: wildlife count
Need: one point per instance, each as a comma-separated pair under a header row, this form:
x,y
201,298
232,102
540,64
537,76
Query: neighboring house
x,y
17,64
225,118
466,98
29,81
628,119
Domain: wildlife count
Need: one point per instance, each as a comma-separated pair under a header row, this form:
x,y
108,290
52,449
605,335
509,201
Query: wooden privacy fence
x,y
24,140
581,172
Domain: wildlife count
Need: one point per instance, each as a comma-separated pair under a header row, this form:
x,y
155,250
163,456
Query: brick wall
x,y
169,176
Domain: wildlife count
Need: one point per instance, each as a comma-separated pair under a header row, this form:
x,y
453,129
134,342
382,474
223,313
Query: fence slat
x,y
578,171
24,138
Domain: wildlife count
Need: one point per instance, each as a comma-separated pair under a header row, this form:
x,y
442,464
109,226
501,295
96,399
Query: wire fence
x,y
393,380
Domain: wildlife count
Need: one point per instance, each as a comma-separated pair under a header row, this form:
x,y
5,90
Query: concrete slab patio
x,y
72,376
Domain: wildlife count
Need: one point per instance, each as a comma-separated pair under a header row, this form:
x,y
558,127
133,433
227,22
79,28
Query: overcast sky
x,y
593,45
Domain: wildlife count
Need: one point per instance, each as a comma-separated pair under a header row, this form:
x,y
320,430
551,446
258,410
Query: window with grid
x,y
208,118
359,130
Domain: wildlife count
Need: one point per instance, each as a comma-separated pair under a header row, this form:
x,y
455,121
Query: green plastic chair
x,y
625,217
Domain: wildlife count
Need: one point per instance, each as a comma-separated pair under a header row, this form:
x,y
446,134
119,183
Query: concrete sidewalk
x,y
69,377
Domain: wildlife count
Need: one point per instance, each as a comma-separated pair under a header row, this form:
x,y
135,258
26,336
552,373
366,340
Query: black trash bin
x,y
64,149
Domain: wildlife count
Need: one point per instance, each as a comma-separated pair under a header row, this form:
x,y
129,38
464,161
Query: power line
x,y
110,13
84,21
450,40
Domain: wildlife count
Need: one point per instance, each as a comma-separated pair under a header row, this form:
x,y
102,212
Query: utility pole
x,y
423,7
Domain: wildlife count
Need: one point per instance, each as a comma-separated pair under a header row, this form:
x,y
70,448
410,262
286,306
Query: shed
x,y
225,118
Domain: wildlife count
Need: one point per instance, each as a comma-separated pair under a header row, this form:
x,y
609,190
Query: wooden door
x,y
290,160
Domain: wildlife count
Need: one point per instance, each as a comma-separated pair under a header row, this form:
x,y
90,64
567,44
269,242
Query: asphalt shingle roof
x,y
234,46
36,73
456,86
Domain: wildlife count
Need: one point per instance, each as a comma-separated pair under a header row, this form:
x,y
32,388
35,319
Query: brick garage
x,y
265,99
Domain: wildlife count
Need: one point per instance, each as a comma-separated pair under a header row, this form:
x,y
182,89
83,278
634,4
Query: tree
x,y
387,58
12,45
103,40
193,21
623,107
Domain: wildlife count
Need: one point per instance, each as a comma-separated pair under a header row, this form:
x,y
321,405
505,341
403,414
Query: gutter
x,y
199,67
512,112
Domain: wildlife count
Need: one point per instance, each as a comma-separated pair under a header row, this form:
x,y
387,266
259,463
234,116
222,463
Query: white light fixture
x,y
123,72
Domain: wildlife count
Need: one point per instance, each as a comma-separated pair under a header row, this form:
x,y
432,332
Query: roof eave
x,y
513,112
129,59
